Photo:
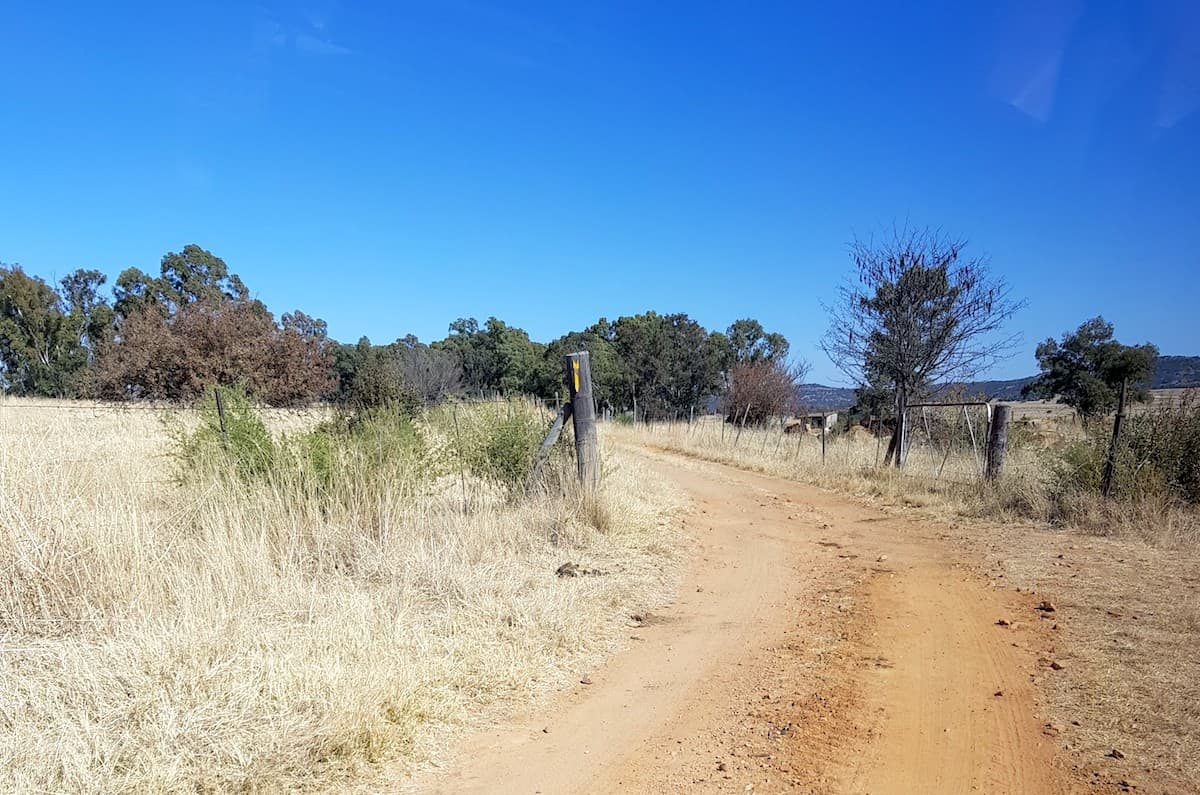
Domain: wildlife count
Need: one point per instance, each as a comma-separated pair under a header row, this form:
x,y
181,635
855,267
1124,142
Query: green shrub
x,y
1163,446
379,385
507,453
356,453
494,442
245,448
1158,457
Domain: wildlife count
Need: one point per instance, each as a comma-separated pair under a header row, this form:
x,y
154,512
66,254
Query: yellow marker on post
x,y
583,417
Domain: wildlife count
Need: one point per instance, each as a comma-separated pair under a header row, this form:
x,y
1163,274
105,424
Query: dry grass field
x,y
215,637
951,484
850,463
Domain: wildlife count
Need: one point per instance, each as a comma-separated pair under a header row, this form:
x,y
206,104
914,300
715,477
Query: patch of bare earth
x,y
1112,671
816,645
1125,629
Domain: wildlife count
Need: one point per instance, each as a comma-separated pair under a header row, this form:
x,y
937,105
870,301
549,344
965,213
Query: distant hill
x,y
1171,372
995,390
1175,372
816,397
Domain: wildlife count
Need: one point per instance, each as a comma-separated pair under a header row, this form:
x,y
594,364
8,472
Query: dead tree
x,y
917,313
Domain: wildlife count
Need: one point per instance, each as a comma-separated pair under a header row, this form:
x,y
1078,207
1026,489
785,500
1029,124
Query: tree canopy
x,y
172,334
918,312
749,343
1085,370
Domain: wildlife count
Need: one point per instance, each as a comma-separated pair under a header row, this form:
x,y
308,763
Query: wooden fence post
x,y
1111,461
824,419
583,416
997,443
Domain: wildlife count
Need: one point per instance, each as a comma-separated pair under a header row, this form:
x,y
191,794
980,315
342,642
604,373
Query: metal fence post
x,y
221,417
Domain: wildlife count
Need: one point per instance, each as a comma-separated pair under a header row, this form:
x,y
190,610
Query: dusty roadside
x,y
816,644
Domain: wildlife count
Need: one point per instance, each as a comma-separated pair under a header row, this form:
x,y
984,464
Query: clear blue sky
x,y
392,166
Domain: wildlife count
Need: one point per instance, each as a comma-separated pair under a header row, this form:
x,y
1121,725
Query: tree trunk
x,y
898,439
891,450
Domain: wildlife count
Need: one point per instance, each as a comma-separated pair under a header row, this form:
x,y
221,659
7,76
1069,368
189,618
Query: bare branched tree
x,y
433,375
919,313
762,391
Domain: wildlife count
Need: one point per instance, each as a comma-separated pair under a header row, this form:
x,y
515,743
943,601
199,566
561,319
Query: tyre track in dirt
x,y
816,645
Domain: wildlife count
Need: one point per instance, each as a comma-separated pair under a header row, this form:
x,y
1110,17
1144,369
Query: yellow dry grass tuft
x,y
155,638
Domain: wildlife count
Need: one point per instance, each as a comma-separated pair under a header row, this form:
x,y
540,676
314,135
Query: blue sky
x,y
392,166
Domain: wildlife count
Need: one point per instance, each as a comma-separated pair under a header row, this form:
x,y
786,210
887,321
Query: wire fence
x,y
948,440
945,442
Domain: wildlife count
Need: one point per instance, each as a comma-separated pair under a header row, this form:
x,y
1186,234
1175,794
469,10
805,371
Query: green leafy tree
x,y
1086,368
40,352
498,358
186,277
749,343
608,376
520,362
378,381
670,362
91,316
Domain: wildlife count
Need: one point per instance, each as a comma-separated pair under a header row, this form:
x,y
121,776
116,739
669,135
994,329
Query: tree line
x,y
174,334
918,313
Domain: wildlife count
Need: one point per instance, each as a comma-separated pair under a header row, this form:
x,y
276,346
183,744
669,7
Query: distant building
x,y
820,421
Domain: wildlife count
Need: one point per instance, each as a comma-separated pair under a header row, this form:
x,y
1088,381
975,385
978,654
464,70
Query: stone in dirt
x,y
570,569
1046,606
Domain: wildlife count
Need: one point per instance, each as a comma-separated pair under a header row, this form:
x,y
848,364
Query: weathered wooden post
x,y
1111,461
997,443
583,416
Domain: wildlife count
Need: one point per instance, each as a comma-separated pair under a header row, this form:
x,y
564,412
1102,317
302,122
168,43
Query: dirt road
x,y
816,645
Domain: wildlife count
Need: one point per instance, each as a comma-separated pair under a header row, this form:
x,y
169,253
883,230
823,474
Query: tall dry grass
x,y
223,635
849,462
1031,488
